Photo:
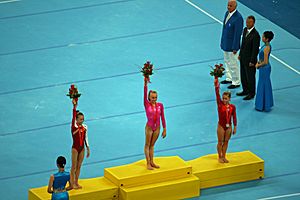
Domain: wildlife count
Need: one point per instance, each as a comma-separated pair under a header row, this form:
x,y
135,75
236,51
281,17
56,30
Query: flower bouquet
x,y
147,70
218,71
73,93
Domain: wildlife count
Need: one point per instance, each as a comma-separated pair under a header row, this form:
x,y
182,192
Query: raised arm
x,y
74,113
217,90
74,128
146,102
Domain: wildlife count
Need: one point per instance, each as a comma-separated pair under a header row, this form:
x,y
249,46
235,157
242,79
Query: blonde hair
x,y
227,93
151,91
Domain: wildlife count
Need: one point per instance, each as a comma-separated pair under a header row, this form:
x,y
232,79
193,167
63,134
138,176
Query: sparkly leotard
x,y
79,134
154,113
225,112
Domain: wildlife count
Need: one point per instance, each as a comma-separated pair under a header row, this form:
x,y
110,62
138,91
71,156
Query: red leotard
x,y
79,133
225,113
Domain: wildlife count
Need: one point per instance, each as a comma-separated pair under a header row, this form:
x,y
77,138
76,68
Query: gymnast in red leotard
x,y
80,138
226,111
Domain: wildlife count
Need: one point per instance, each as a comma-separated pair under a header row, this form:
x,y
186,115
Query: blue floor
x,y
98,45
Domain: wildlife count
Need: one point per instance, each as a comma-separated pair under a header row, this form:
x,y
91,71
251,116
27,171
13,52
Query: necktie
x,y
248,31
227,18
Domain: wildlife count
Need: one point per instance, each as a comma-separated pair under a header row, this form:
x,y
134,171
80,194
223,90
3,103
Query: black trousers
x,y
248,77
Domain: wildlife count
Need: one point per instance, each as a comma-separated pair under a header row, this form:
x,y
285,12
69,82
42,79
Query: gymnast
x,y
154,111
226,111
80,138
58,181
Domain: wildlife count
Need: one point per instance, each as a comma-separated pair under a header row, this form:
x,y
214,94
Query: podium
x,y
175,179
242,166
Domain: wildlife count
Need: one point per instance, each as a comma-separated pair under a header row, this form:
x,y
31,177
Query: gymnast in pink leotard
x,y
154,112
226,111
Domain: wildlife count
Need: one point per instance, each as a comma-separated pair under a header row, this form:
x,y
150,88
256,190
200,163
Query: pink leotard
x,y
154,113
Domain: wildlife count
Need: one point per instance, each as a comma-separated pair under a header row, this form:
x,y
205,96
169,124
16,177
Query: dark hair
x,y
251,17
78,113
269,35
61,161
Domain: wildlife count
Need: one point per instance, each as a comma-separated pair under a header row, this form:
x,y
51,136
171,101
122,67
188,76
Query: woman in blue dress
x,y
264,95
57,183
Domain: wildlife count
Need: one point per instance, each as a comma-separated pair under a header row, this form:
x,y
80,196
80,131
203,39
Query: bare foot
x,y
149,167
225,160
155,166
221,160
77,186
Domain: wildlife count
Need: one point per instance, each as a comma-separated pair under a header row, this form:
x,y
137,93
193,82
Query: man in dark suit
x,y
230,44
248,58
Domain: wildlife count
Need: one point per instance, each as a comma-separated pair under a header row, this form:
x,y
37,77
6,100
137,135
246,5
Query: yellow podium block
x,y
169,190
92,189
136,174
175,179
242,166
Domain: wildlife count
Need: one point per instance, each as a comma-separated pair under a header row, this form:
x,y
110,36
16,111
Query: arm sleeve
x,y
238,29
217,90
163,120
243,37
234,116
145,95
255,49
86,137
73,119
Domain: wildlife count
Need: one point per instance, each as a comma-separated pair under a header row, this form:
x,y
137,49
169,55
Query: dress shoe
x,y
225,82
242,93
249,97
233,86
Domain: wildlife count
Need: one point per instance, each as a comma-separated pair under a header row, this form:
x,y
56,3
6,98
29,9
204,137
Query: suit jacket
x,y
232,31
250,46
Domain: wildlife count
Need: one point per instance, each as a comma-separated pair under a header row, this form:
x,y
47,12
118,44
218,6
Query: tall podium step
x,y
169,190
136,174
242,166
93,189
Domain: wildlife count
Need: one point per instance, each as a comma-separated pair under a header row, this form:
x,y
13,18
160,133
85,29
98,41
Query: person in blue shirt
x,y
57,183
230,43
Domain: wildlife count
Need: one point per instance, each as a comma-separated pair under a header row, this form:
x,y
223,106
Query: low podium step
x,y
242,166
92,189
